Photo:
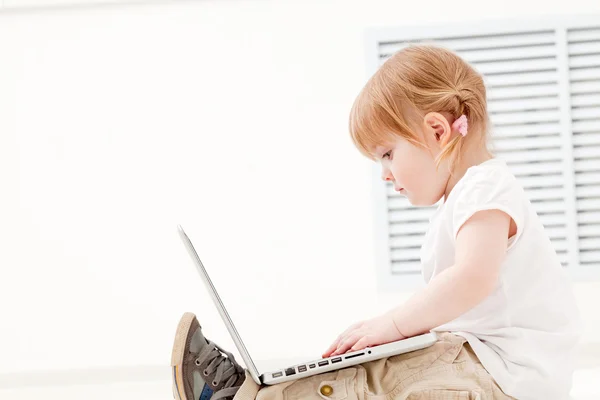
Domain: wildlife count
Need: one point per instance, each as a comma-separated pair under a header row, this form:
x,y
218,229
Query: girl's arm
x,y
481,245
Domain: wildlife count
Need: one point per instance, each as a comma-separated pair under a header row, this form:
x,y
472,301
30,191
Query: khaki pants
x,y
448,370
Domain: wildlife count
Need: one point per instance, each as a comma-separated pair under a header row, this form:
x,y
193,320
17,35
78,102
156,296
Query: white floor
x,y
586,387
586,384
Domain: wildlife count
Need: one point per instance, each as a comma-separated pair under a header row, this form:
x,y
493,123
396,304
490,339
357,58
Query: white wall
x,y
229,117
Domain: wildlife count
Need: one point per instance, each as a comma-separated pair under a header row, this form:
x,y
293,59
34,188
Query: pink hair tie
x,y
461,125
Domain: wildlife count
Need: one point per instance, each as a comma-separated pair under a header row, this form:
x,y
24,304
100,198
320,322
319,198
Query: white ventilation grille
x,y
584,74
407,226
524,72
521,75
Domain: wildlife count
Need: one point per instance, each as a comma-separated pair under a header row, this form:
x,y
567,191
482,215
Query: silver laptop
x,y
308,368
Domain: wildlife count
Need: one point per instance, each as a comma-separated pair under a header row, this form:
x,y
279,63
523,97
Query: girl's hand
x,y
372,332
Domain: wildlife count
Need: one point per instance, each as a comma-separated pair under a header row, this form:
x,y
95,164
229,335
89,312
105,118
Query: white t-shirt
x,y
525,332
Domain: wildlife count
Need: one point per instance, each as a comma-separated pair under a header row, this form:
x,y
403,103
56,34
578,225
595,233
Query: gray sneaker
x,y
201,369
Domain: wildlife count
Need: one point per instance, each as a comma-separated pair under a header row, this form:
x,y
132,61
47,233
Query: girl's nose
x,y
386,175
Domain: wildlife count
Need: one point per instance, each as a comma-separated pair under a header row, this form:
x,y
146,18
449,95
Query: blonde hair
x,y
413,82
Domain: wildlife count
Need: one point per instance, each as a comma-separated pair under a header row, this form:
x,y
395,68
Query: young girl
x,y
496,291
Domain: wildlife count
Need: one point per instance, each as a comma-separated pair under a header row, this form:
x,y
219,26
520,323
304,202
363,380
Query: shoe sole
x,y
178,354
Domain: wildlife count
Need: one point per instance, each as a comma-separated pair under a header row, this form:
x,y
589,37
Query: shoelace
x,y
227,368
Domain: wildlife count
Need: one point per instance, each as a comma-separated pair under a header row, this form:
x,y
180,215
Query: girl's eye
x,y
387,155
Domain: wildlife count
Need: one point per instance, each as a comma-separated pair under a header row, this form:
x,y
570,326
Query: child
x,y
496,291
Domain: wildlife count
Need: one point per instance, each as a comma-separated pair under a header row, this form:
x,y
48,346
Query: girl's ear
x,y
438,129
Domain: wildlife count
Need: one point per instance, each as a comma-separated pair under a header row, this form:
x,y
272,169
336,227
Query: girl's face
x,y
412,169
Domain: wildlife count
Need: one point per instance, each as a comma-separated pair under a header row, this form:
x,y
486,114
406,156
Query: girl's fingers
x,y
331,348
347,344
340,338
361,344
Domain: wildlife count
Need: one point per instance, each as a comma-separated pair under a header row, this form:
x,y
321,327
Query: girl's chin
x,y
418,202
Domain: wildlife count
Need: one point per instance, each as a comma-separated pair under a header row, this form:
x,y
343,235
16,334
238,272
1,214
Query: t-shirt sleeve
x,y
490,190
